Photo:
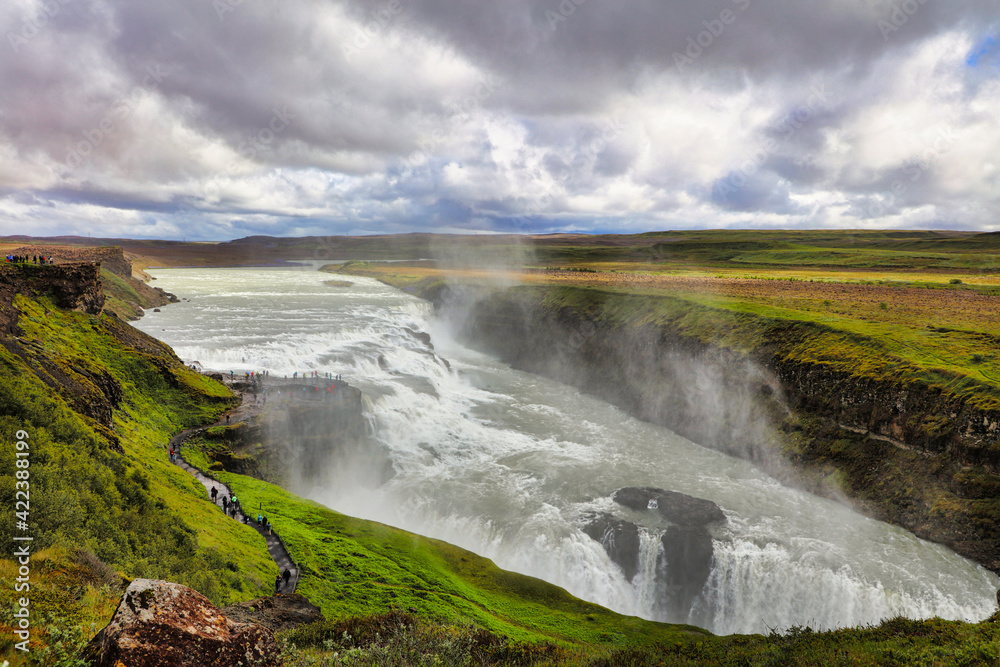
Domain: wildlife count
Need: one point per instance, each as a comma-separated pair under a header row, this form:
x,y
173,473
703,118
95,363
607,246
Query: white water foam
x,y
505,463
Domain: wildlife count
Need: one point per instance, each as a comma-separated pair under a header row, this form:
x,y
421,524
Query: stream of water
x,y
508,464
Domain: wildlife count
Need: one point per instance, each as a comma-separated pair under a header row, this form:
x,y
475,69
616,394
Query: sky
x,y
219,119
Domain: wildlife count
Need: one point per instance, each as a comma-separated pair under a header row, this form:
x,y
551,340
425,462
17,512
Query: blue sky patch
x,y
985,53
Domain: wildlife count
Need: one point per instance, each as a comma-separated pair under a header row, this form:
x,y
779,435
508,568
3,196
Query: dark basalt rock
x,y
619,538
683,566
422,336
685,559
676,507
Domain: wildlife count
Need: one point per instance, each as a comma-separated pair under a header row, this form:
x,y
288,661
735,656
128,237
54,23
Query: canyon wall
x,y
907,454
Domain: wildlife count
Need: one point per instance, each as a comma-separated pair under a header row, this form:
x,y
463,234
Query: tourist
x,y
277,584
215,493
268,527
286,575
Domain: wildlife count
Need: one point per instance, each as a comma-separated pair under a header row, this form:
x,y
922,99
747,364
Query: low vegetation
x,y
913,306
105,504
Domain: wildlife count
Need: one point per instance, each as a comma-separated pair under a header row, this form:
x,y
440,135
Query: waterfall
x,y
507,463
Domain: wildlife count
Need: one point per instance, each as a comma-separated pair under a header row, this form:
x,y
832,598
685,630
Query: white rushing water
x,y
506,464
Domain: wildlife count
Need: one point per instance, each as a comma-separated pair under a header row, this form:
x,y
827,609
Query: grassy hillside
x,y
104,501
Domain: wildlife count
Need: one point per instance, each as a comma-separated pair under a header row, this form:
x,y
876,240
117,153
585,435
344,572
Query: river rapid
x,y
508,464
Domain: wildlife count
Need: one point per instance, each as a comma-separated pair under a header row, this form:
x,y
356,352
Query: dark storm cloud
x,y
572,49
396,114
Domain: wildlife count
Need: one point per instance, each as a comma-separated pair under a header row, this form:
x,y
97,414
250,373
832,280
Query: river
x,y
508,464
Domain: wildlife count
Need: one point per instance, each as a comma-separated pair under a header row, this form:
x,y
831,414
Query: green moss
x,y
109,489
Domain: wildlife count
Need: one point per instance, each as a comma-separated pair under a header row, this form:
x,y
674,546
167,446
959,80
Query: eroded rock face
x,y
683,566
675,507
619,538
684,561
161,624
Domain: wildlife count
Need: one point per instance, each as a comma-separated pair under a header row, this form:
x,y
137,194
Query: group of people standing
x,y
232,507
315,375
28,259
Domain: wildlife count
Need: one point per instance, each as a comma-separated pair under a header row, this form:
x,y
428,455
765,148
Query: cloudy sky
x,y
217,119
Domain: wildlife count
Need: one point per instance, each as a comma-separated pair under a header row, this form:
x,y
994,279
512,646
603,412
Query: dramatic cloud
x,y
214,119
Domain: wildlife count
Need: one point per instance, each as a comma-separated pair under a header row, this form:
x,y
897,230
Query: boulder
x,y
679,508
683,567
422,336
161,624
619,538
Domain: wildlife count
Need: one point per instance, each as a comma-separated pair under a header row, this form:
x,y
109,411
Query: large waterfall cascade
x,y
510,465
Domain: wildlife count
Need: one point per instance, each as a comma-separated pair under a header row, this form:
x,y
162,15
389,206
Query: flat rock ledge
x,y
162,624
678,508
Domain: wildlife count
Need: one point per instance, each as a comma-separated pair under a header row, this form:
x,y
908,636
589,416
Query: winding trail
x,y
275,547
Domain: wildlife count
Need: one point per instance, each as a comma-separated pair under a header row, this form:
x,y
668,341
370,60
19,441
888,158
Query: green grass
x,y
121,298
782,249
126,510
928,357
867,258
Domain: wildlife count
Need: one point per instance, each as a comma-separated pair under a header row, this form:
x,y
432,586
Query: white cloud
x,y
346,116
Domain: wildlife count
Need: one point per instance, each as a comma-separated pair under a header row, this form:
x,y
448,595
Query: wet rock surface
x,y
685,553
422,336
675,507
619,538
162,624
683,566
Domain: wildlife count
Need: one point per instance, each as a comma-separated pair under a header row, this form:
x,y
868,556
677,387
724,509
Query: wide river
x,y
506,464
